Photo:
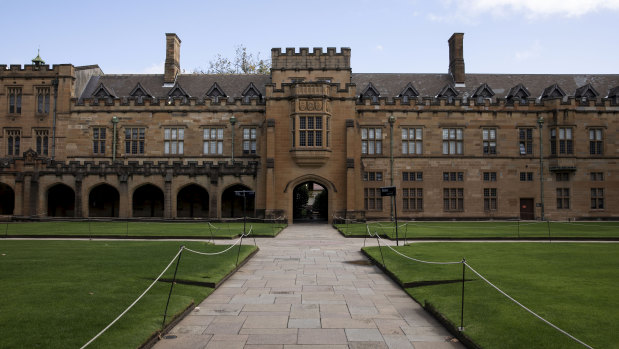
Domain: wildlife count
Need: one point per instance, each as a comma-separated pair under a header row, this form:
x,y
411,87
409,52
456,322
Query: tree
x,y
321,204
243,63
300,197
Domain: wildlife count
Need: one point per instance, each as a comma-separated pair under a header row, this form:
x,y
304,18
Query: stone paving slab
x,y
301,292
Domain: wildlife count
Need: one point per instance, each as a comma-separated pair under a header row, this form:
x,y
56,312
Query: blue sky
x,y
500,36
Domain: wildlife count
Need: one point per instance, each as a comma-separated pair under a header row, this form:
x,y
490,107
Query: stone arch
x,y
147,201
60,201
192,201
103,201
325,183
232,205
7,199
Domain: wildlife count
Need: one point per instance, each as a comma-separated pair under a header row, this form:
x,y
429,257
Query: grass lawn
x,y
139,229
573,285
60,294
484,230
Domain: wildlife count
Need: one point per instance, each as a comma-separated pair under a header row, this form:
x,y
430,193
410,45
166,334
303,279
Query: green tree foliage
x,y
321,204
242,63
301,195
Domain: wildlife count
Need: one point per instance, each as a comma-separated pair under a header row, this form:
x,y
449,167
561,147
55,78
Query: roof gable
x,y
614,92
139,91
553,91
215,91
251,91
519,91
177,92
447,92
586,91
483,91
103,92
370,91
409,91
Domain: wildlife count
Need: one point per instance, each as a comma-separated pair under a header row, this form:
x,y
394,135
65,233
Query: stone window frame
x,y
597,199
372,140
490,199
173,140
525,141
250,138
136,143
43,97
41,137
453,176
99,139
372,200
453,141
489,140
412,176
596,176
453,199
596,141
373,176
526,176
213,140
414,139
563,198
562,140
489,176
412,199
13,141
14,100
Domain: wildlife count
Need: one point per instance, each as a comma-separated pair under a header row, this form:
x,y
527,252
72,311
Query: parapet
x,y
317,59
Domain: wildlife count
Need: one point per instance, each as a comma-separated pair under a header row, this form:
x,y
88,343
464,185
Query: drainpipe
x,y
114,122
55,84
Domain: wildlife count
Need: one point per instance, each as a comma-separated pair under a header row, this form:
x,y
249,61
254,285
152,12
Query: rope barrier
x,y
132,304
415,259
527,309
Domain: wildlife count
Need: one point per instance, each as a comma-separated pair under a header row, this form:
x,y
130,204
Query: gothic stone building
x,y
76,142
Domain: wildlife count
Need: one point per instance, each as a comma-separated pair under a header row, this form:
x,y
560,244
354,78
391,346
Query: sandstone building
x,y
80,143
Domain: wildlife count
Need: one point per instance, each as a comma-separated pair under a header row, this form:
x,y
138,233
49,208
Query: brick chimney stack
x,y
456,57
172,58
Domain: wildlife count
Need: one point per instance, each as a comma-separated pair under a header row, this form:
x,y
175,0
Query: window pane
x,y
419,133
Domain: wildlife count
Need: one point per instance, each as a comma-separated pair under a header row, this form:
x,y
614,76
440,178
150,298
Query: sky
x,y
408,36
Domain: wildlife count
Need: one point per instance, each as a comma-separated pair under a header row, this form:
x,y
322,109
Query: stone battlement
x,y
316,59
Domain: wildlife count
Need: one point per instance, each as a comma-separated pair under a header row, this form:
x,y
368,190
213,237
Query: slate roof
x,y
194,85
429,85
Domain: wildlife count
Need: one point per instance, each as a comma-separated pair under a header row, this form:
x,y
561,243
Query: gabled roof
x,y
613,92
586,91
483,91
370,91
553,91
215,91
447,91
409,91
518,91
251,91
139,91
177,91
103,92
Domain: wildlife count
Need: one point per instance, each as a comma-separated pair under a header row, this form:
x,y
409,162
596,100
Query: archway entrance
x,y
310,202
232,205
148,201
60,201
7,199
192,201
103,201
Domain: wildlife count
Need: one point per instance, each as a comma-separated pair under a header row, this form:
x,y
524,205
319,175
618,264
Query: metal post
x,y
395,205
540,122
461,328
244,212
178,261
239,252
55,85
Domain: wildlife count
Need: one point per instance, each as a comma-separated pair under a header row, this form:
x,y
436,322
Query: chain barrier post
x,y
461,328
239,252
381,250
178,261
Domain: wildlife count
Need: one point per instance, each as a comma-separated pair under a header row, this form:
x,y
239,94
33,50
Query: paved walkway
x,y
309,288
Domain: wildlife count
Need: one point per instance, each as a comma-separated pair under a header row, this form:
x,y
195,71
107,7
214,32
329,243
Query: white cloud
x,y
155,68
463,10
532,51
379,48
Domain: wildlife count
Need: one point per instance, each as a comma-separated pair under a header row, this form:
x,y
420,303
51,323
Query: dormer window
x,y
408,93
215,92
251,92
139,93
102,92
519,93
482,93
177,92
449,93
553,91
585,93
371,93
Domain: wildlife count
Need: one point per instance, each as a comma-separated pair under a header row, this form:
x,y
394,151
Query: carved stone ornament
x,y
30,155
318,105
302,105
310,105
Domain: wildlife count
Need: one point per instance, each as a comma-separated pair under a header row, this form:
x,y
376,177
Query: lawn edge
x,y
428,307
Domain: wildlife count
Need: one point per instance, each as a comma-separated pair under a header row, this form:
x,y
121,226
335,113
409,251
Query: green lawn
x,y
139,229
59,294
484,230
573,285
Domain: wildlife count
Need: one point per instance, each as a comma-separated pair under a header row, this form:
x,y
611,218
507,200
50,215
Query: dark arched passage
x,y
232,205
60,201
192,201
148,201
103,201
310,202
7,199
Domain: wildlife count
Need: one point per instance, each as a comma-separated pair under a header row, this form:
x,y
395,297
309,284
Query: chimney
x,y
172,58
456,58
